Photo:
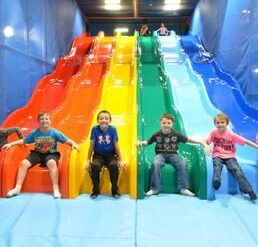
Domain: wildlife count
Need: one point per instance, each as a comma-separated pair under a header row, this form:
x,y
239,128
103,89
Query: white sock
x,y
56,191
15,191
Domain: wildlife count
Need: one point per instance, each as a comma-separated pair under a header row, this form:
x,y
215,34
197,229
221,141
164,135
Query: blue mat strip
x,y
38,220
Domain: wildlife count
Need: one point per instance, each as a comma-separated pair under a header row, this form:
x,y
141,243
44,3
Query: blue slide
x,y
225,95
223,90
194,101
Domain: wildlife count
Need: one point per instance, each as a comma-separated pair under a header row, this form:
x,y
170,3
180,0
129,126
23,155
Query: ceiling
x,y
135,10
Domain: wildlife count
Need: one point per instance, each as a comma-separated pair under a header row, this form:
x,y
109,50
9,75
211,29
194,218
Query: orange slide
x,y
48,95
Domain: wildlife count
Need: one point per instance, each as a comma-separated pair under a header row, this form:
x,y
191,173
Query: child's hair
x,y
221,115
43,113
104,111
167,116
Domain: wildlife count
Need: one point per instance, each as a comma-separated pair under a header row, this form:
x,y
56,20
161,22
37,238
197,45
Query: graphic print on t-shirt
x,y
44,144
224,144
105,140
166,143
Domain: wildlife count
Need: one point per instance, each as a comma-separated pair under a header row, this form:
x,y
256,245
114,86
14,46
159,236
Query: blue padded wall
x,y
229,30
33,35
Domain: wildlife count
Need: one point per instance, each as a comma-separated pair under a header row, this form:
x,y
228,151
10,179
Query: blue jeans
x,y
177,162
235,169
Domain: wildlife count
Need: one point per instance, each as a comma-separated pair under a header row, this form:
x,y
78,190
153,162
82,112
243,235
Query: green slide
x,y
155,99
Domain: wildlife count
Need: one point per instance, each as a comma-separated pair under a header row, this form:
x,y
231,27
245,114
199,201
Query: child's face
x,y
44,121
221,124
104,120
166,125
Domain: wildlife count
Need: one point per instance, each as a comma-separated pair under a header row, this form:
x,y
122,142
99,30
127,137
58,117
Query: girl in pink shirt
x,y
224,149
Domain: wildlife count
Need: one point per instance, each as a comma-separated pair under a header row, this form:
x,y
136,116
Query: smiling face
x,y
44,121
166,125
221,124
104,120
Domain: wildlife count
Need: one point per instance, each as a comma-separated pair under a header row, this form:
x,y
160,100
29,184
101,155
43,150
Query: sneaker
x,y
252,195
13,192
186,192
116,195
216,184
152,192
57,194
94,195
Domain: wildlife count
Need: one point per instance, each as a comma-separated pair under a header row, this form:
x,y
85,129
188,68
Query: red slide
x,y
48,95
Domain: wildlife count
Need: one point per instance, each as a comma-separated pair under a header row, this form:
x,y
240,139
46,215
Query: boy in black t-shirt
x,y
166,149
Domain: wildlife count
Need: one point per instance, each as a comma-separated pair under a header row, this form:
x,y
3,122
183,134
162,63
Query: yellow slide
x,y
118,97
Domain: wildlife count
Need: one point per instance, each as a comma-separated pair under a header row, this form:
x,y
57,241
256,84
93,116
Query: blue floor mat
x,y
175,220
38,220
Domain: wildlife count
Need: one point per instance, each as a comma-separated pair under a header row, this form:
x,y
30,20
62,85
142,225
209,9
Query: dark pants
x,y
235,169
110,161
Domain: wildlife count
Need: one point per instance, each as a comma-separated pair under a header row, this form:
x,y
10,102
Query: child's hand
x,y
76,146
207,150
121,164
7,146
88,166
139,143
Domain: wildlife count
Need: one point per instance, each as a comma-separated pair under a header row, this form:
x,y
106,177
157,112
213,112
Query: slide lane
x,y
223,90
198,55
154,98
51,89
226,95
81,87
191,98
188,92
118,97
48,94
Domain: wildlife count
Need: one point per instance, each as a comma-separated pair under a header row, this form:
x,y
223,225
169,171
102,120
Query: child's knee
x,y
156,164
113,166
25,164
95,165
51,164
180,164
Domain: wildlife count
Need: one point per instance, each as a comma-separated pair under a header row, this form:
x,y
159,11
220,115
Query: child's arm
x,y
19,132
90,152
250,143
14,143
73,144
120,160
207,148
16,130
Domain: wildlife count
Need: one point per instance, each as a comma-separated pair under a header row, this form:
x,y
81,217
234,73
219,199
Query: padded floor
x,y
175,220
38,220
